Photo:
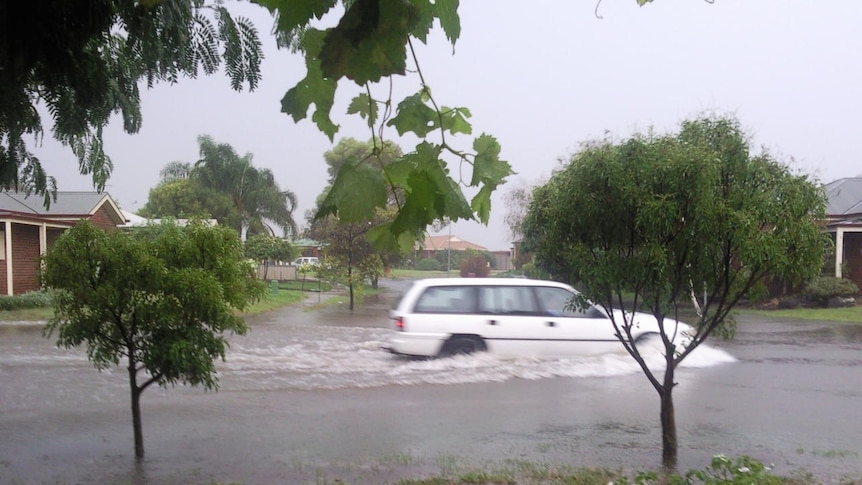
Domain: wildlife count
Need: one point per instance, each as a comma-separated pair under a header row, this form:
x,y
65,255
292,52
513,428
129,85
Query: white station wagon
x,y
509,317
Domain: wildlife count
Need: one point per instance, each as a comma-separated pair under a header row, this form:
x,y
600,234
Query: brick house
x,y
434,244
28,229
844,225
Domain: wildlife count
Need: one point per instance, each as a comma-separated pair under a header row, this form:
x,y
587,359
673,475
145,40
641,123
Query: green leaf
x,y
426,13
292,14
356,191
365,106
369,41
430,192
487,166
313,89
455,120
413,115
481,203
383,237
447,12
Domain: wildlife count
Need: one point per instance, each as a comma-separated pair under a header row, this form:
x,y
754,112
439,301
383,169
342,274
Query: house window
x,y
2,245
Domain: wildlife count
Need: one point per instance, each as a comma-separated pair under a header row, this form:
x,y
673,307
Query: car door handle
x,y
552,324
492,322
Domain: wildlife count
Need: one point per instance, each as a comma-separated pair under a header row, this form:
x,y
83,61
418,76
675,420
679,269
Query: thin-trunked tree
x,y
159,301
670,219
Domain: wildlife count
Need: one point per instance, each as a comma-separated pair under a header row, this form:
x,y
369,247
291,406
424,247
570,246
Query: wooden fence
x,y
276,272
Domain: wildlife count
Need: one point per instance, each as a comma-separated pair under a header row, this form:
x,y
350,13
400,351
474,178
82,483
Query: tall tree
x,y
350,255
159,300
84,60
184,199
256,196
665,218
347,239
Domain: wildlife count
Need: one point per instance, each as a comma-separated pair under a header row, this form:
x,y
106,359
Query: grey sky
x,y
543,79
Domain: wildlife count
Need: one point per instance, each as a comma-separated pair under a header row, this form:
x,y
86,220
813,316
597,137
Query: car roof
x,y
487,282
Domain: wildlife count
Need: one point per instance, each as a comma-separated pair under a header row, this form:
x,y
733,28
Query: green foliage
x,y
475,266
371,42
184,199
741,471
256,196
428,264
823,288
33,299
84,62
270,248
667,218
224,186
455,258
161,299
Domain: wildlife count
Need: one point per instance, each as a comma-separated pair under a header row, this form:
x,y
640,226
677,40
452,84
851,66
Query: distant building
x,y
434,244
28,229
844,224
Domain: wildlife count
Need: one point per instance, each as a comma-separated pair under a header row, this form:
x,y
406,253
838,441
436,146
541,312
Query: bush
x,y
428,265
823,288
475,266
33,299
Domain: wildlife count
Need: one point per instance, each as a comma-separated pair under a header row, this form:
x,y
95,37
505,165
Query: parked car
x,y
510,317
305,260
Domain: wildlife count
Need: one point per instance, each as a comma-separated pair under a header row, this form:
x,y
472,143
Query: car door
x,y
571,331
511,324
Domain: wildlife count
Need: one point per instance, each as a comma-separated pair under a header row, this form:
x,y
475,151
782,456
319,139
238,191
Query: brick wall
x,y
102,220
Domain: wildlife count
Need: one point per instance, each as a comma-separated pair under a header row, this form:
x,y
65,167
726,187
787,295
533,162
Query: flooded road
x,y
309,397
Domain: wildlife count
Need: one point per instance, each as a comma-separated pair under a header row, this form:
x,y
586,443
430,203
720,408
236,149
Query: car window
x,y
446,299
560,302
507,300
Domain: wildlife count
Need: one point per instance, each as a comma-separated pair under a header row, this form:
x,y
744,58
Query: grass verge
x,y
273,301
844,315
27,314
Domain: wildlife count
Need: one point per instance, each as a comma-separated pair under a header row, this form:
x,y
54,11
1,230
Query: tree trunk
x,y
136,411
668,423
350,287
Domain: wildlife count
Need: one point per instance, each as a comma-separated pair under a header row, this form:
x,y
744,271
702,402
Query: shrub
x,y
428,265
535,272
475,266
33,299
823,288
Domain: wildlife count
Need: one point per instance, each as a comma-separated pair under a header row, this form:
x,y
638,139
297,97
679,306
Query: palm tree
x,y
255,194
176,171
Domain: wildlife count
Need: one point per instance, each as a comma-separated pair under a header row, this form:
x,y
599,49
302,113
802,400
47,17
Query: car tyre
x,y
463,346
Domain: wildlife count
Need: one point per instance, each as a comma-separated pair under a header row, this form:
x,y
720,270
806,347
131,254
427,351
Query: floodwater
x,y
309,397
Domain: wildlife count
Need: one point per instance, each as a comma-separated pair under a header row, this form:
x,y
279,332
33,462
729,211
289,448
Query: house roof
x,y
442,243
844,197
134,220
67,206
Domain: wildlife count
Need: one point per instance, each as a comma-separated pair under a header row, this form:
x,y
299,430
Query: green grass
x,y
27,314
415,273
304,285
845,315
272,302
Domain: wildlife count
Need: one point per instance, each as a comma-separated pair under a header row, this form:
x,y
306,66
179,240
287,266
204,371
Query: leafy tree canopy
x,y
670,218
85,60
225,186
270,248
159,299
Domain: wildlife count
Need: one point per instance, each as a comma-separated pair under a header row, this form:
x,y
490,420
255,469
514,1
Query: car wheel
x,y
463,346
647,339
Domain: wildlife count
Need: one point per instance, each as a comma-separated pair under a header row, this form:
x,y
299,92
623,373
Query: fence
x,y
276,272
